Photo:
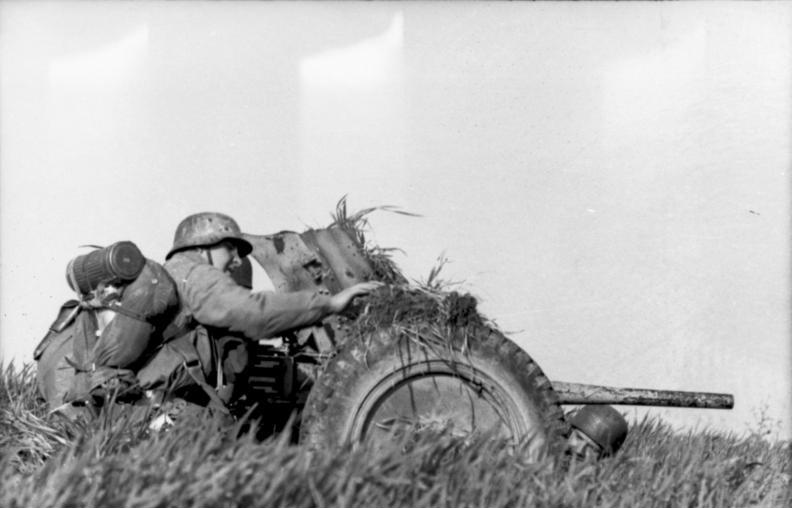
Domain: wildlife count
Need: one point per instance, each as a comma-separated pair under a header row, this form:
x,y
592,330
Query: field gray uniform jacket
x,y
210,297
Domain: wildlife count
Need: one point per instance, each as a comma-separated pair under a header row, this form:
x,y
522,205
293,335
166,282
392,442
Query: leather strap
x,y
196,373
116,306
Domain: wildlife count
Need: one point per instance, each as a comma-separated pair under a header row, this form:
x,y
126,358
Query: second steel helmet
x,y
208,228
603,424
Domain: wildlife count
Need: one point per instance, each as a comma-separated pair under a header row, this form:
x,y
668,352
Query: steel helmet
x,y
603,424
206,229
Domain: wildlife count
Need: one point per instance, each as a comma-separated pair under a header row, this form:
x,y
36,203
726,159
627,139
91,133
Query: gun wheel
x,y
461,380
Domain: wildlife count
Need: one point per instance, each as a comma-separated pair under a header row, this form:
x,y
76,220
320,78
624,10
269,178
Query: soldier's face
x,y
225,256
582,446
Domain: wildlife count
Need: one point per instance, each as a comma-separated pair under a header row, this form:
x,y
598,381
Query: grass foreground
x,y
114,460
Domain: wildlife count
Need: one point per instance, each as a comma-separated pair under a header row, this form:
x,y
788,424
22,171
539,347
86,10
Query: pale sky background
x,y
610,180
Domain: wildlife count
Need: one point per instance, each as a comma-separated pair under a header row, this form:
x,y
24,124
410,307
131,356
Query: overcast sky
x,y
610,180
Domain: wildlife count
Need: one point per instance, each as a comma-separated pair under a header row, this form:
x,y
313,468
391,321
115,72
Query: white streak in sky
x,y
366,64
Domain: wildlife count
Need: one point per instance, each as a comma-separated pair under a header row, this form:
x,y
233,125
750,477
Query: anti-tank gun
x,y
411,358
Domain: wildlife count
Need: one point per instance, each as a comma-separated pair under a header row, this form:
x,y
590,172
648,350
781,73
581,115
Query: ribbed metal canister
x,y
121,261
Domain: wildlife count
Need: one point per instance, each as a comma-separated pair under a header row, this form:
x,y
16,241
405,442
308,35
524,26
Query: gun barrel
x,y
576,393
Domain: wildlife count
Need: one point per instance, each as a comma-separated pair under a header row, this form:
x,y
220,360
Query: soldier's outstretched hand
x,y
341,301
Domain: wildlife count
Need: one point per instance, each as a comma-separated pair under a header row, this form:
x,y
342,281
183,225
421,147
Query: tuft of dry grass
x,y
399,304
356,226
28,435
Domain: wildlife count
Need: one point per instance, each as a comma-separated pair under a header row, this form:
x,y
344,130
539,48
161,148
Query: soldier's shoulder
x,y
190,269
181,264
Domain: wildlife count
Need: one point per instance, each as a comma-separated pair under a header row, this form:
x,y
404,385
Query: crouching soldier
x,y
214,312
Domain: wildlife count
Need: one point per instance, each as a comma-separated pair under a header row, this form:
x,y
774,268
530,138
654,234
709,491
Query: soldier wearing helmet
x,y
597,431
207,247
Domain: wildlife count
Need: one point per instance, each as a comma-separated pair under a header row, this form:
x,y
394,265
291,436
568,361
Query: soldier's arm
x,y
214,299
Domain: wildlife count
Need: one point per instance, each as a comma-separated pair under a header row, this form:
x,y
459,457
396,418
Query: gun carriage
x,y
431,362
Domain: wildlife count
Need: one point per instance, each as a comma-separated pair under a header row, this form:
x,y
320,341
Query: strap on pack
x,y
83,342
117,306
195,371
66,316
190,356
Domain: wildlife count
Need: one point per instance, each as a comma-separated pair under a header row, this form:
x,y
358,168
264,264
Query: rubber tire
x,y
343,397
